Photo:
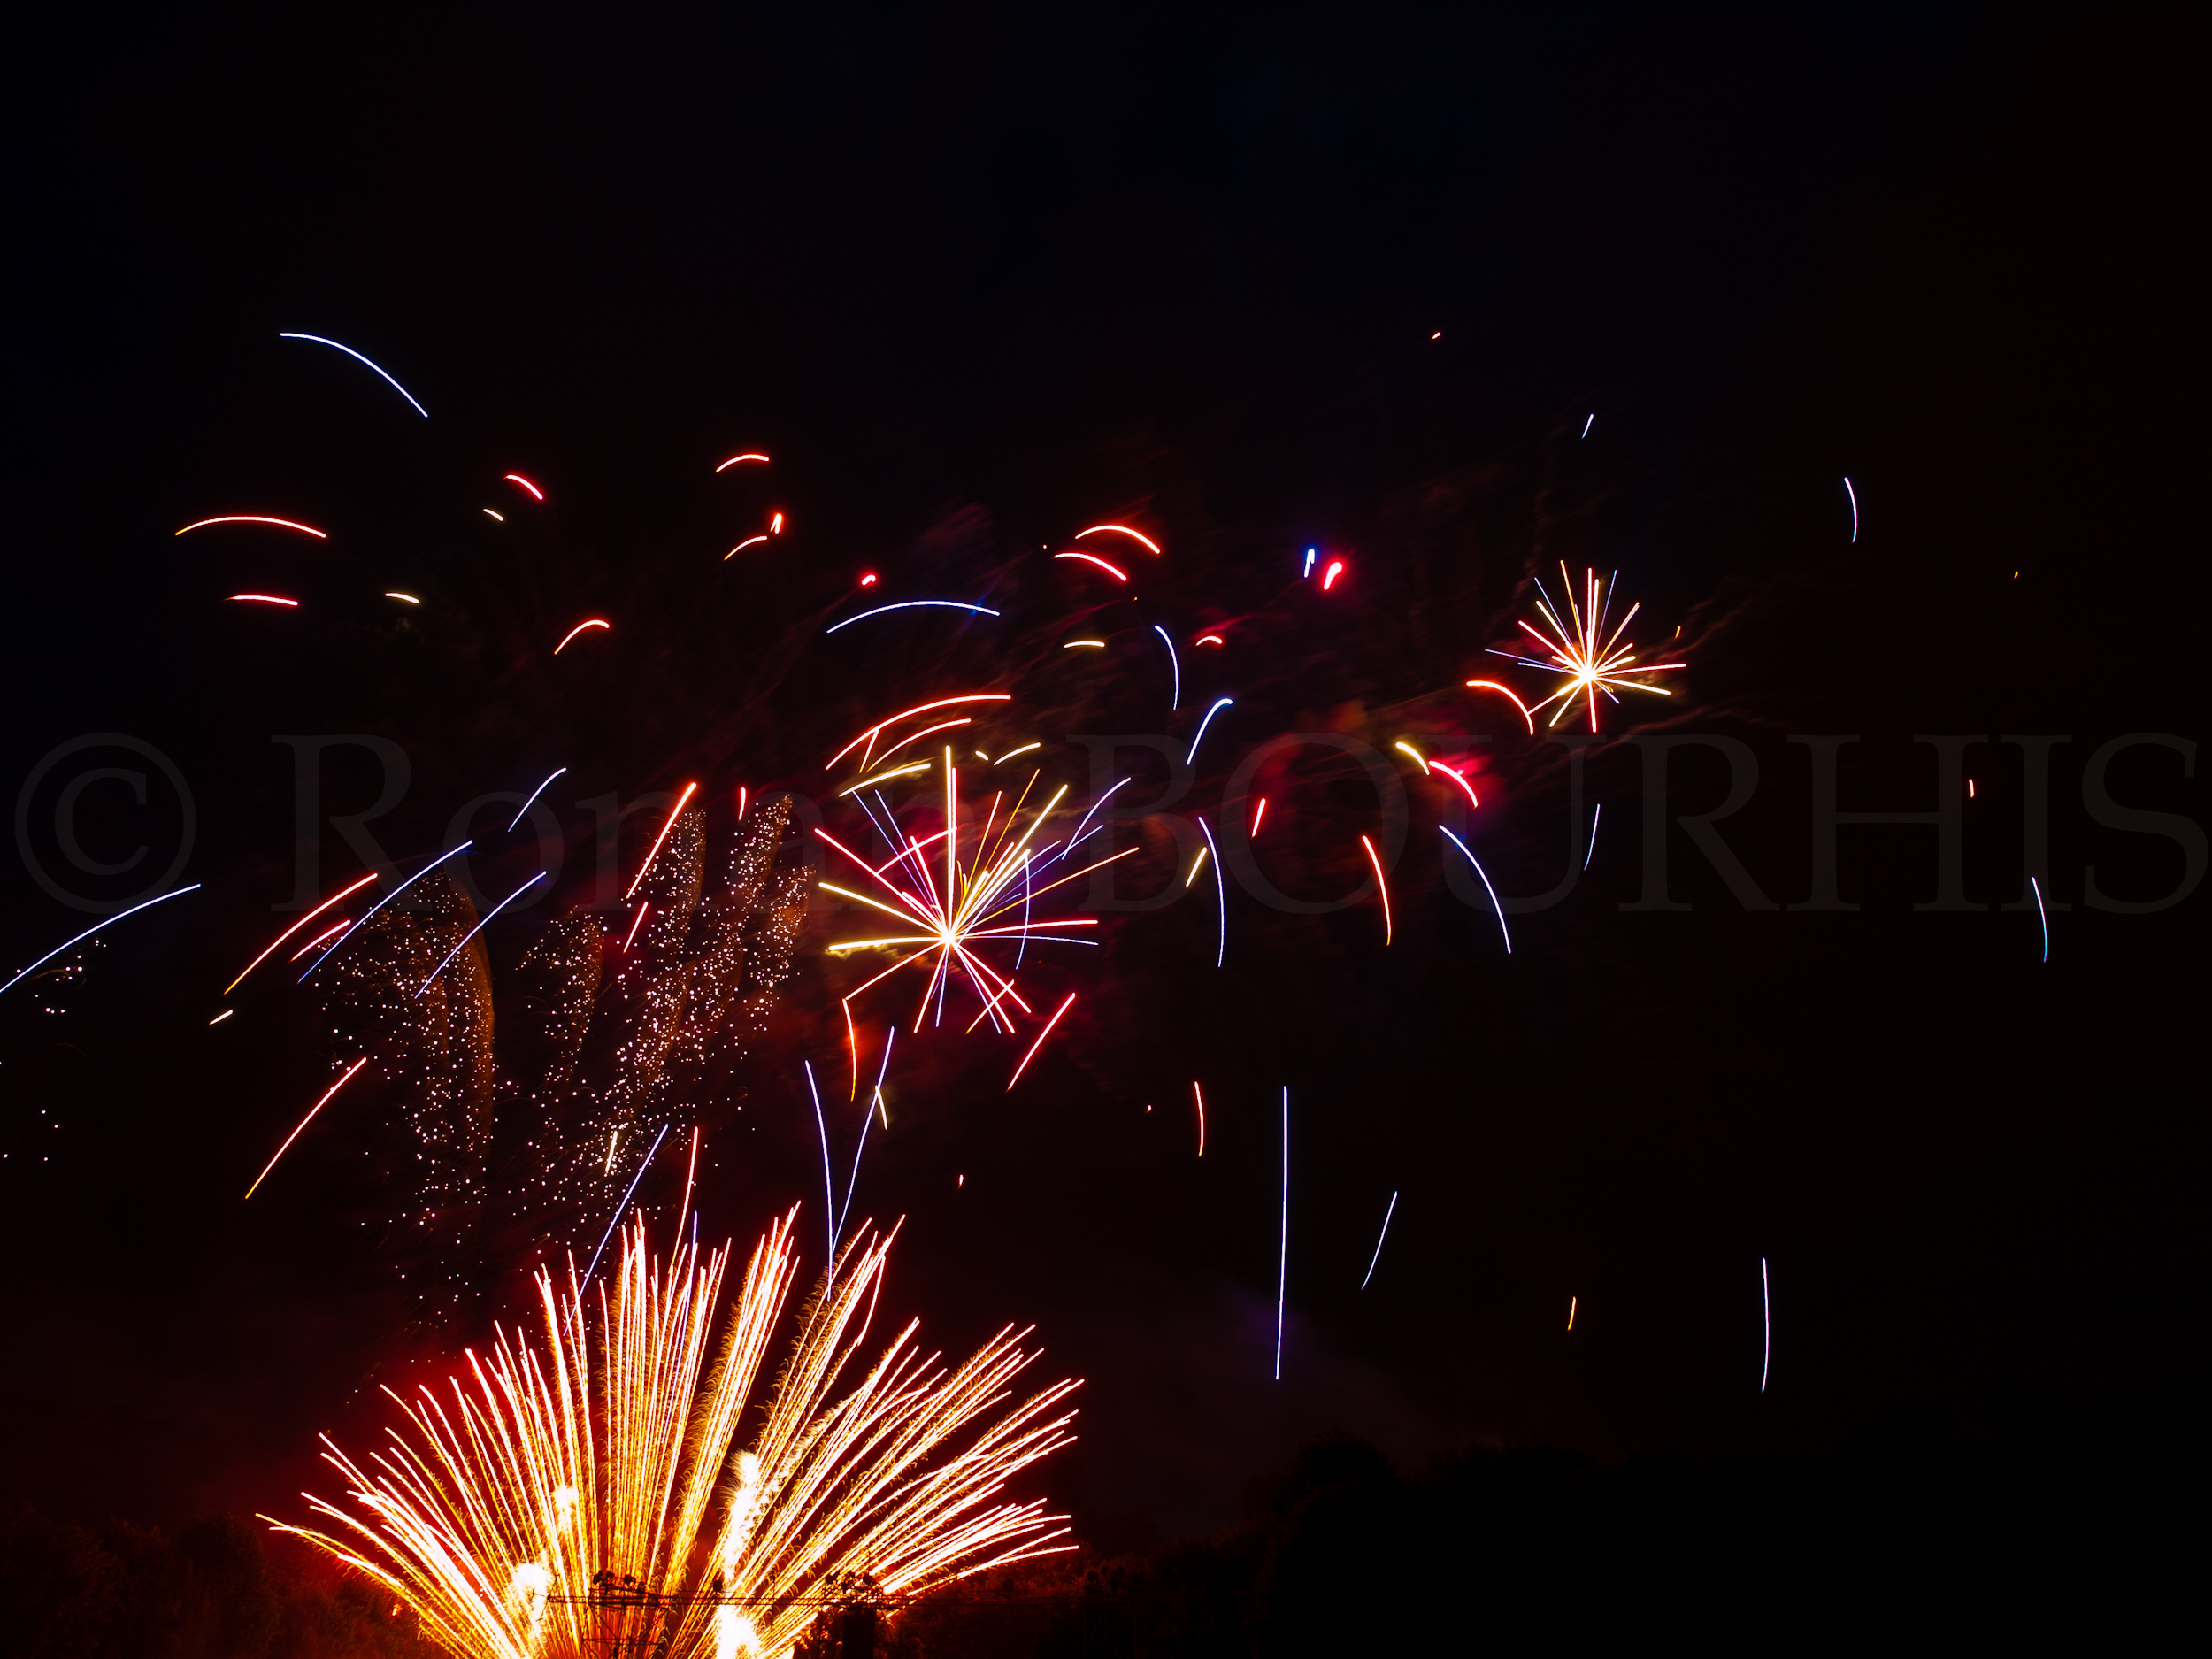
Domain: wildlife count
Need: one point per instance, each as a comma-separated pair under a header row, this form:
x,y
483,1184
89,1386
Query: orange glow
x,y
1381,885
1119,529
255,518
1571,1313
750,541
1117,575
263,599
295,928
673,812
775,525
310,1119
734,459
1328,576
1505,692
588,622
535,493
876,730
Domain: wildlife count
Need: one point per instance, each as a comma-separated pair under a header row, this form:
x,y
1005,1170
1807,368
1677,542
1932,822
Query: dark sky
x,y
1357,281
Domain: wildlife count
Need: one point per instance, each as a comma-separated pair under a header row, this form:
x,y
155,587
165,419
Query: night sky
x,y
1359,282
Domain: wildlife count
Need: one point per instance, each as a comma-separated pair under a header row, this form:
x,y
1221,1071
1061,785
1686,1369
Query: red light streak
x,y
750,541
343,925
868,579
876,730
255,518
310,1119
1117,575
1210,639
1381,885
636,923
741,801
588,622
264,599
1039,1043
775,525
673,814
1259,813
734,460
1329,576
1506,692
1457,777
295,928
942,726
1119,529
535,493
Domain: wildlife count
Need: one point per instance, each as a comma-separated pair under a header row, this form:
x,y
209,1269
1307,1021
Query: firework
x,y
1575,651
592,1496
1375,1258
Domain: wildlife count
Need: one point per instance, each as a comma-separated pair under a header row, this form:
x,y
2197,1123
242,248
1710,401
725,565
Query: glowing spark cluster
x,y
1574,650
590,1493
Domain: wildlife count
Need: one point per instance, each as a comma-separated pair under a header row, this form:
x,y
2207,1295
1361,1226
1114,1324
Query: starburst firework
x,y
592,1497
1574,650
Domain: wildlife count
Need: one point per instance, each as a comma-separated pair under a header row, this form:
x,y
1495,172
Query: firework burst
x,y
593,1496
1573,649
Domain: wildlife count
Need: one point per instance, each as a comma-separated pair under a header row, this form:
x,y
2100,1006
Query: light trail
x,y
1024,749
1175,696
775,525
876,731
1196,864
409,598
1593,847
1098,645
1585,424
1210,639
381,903
1219,705
691,1170
1506,692
535,794
748,456
909,604
942,726
255,518
1308,572
1379,1240
2036,888
535,493
829,1193
1570,1312
1199,1096
264,599
636,922
97,927
1405,747
1486,887
674,812
494,517
1457,777
479,927
902,771
1766,1326
1101,801
619,1208
853,1180
339,927
220,1018
1282,1256
1039,1043
1854,509
1221,891
588,622
357,358
295,928
750,541
1328,578
1119,529
1117,574
1381,885
310,1119
1259,813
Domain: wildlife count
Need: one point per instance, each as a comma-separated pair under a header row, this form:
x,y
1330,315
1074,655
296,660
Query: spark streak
x,y
110,921
357,358
624,1205
303,1122
2037,889
1221,891
1117,574
734,460
1766,1326
1175,694
1198,1094
535,493
1593,846
479,927
1379,1240
674,812
750,541
381,903
1039,1043
1219,704
532,801
1492,685
1486,887
1282,1256
909,604
1575,652
295,928
1119,529
255,518
1853,494
588,622
1381,885
264,599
